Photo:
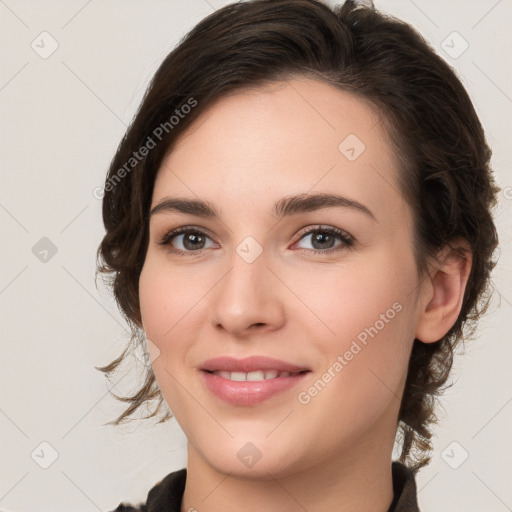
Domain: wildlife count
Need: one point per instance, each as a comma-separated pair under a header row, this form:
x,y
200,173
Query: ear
x,y
443,291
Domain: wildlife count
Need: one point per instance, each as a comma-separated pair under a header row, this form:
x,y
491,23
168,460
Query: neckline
x,y
167,495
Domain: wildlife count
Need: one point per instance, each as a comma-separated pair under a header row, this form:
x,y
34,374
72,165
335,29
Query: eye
x,y
323,239
188,240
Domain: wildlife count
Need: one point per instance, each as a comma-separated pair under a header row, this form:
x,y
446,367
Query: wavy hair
x,y
441,150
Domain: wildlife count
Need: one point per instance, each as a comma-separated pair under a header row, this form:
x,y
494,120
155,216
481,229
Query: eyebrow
x,y
287,206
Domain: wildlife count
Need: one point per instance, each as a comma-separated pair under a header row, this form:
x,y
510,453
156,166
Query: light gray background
x,y
62,118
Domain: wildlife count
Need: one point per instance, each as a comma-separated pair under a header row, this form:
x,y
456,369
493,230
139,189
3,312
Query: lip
x,y
248,393
249,364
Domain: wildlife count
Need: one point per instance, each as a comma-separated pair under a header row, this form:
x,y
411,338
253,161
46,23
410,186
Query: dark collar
x,y
404,489
166,495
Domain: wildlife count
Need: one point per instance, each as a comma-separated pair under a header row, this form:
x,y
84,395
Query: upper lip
x,y
249,364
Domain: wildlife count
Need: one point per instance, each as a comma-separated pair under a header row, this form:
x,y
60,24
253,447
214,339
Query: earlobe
x,y
447,278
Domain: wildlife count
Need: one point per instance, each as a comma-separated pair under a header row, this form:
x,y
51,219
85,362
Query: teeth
x,y
252,376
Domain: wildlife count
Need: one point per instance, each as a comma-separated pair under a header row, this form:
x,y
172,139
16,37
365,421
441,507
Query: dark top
x,y
166,495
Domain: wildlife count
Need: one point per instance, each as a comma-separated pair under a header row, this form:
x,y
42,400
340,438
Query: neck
x,y
359,479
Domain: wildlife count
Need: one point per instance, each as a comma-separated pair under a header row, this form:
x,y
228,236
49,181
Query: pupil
x,y
192,237
322,236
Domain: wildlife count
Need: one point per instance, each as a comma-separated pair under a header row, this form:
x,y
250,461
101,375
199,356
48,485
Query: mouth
x,y
249,365
254,376
250,381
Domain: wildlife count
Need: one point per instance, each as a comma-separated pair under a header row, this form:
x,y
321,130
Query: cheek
x,y
363,373
367,314
172,303
362,293
166,302
167,299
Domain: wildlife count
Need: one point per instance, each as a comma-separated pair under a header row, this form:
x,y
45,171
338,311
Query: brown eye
x,y
323,240
185,240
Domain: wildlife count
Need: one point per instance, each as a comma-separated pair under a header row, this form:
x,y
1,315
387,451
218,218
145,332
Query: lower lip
x,y
249,392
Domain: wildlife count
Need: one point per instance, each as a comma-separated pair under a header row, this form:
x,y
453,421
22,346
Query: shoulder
x,y
164,496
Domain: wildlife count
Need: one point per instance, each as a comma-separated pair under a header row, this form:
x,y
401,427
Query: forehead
x,y
290,137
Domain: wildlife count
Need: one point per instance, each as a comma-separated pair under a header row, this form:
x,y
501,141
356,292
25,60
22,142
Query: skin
x,y
246,152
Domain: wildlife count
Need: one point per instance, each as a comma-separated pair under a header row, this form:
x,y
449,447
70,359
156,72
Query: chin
x,y
261,460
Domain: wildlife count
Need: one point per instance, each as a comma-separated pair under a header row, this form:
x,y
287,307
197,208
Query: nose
x,y
248,298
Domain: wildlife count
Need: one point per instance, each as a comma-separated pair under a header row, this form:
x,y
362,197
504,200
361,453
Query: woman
x,y
298,227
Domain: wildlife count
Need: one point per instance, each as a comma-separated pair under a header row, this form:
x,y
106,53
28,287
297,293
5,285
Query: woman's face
x,y
248,283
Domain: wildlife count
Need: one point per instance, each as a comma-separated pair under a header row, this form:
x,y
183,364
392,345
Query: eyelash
x,y
346,239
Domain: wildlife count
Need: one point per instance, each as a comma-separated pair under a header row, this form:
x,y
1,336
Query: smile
x,y
258,375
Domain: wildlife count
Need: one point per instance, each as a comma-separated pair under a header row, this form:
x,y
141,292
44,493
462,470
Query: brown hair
x,y
444,160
